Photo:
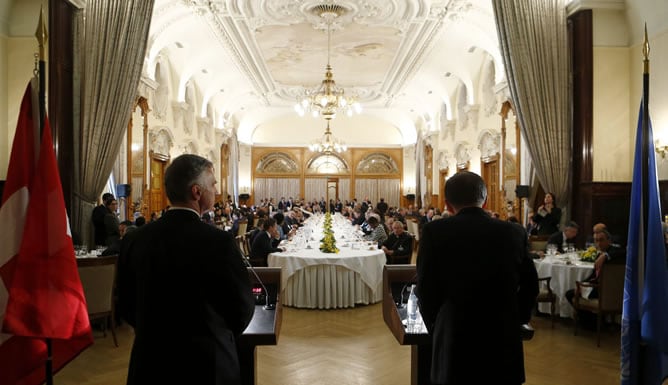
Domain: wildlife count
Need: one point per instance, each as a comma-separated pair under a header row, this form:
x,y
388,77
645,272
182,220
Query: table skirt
x,y
328,287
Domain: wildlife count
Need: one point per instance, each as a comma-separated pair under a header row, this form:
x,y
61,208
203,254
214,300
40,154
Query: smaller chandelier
x,y
328,98
328,144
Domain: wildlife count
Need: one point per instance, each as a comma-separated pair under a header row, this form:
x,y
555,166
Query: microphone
x,y
267,305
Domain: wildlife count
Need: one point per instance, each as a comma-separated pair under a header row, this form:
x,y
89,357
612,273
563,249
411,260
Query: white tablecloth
x,y
563,279
312,279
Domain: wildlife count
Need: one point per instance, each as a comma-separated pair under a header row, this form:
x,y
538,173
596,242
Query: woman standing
x,y
548,216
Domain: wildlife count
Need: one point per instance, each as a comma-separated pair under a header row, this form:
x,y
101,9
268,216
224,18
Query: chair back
x,y
413,228
611,288
538,242
98,277
243,225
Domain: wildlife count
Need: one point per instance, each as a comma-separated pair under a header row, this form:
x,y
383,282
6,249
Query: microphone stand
x,y
267,305
403,289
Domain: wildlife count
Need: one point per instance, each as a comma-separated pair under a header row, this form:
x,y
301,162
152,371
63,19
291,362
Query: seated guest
x,y
262,244
603,227
562,238
284,231
607,253
398,244
140,221
256,230
377,233
114,248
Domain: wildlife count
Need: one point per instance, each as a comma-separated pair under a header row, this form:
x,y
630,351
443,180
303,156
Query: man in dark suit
x,y
476,286
263,245
99,212
607,253
562,238
399,245
184,288
382,207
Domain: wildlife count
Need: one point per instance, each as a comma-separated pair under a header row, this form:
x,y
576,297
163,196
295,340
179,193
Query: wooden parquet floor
x,y
354,347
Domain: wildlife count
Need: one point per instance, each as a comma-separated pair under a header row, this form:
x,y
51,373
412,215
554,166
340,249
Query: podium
x,y
265,326
396,278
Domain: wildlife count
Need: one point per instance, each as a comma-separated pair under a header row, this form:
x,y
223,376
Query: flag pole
x,y
42,37
642,359
645,134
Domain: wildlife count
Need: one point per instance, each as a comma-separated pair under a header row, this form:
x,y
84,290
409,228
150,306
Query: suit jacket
x,y
262,246
98,223
184,288
476,286
402,246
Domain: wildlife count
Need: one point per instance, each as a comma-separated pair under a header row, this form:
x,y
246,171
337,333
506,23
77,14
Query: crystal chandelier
x,y
328,144
328,99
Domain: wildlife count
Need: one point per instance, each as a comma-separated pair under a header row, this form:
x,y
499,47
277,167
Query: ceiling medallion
x,y
328,144
328,99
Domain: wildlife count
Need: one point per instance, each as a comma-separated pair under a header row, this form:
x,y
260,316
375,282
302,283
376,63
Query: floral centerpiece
x,y
589,255
328,242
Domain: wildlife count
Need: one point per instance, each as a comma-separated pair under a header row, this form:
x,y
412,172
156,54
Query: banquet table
x,y
564,270
313,279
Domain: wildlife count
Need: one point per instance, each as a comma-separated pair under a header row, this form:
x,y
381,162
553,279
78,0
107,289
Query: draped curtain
x,y
419,161
275,188
366,188
533,39
111,35
315,188
390,190
344,189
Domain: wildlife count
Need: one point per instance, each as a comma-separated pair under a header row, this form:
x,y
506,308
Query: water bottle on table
x,y
411,311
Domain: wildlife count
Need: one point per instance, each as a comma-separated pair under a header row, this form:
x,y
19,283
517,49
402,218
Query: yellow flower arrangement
x,y
589,255
328,242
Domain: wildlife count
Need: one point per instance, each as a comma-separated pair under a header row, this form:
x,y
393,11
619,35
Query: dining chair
x,y
538,242
98,278
546,295
241,243
610,289
243,225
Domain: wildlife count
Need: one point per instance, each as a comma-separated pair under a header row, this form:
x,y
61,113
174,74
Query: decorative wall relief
x,y
472,116
327,164
443,160
179,110
463,154
462,110
277,163
377,163
489,144
161,140
487,88
161,99
204,128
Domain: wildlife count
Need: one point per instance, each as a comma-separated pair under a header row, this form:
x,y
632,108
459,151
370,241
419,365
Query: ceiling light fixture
x,y
328,99
328,144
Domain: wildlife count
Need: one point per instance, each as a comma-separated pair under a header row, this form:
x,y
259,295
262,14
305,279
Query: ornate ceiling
x,y
250,61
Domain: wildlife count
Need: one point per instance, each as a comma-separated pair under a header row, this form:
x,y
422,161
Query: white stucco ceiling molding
x,y
147,87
